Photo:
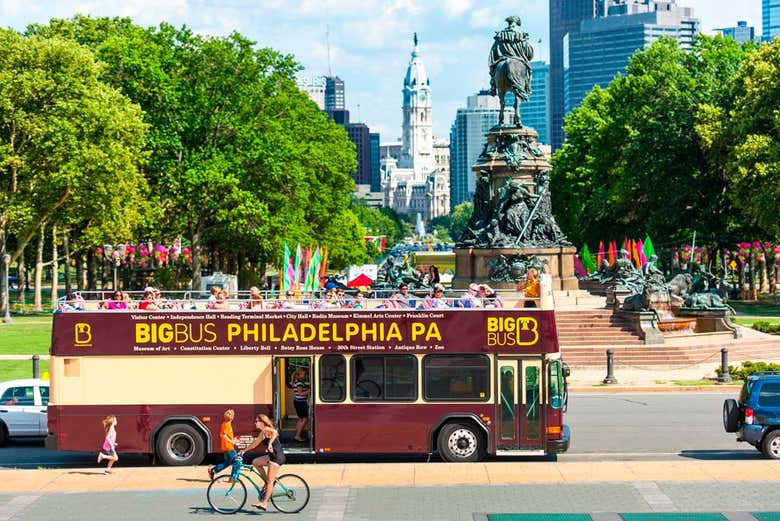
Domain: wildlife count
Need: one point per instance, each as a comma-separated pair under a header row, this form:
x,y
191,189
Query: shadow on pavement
x,y
720,455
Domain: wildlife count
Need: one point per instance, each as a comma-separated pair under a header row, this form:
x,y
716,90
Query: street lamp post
x,y
108,251
6,288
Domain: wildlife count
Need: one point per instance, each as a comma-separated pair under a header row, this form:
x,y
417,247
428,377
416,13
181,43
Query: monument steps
x,y
588,327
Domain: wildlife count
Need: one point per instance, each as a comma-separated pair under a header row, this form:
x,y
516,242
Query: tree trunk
x,y
91,270
764,277
66,249
21,271
4,289
80,274
195,259
55,267
38,304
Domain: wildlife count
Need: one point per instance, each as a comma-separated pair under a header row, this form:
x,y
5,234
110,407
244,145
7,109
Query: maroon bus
x,y
463,382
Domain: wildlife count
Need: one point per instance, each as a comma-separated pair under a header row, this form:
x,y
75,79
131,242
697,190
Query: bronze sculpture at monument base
x,y
474,265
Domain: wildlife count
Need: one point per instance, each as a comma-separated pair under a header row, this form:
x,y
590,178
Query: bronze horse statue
x,y
513,75
510,66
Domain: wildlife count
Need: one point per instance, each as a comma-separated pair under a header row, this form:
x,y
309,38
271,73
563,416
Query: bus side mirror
x,y
566,370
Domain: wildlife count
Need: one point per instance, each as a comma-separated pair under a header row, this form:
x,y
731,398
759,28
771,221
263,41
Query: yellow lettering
x,y
142,334
272,334
418,328
369,329
393,332
492,324
251,331
212,334
433,332
323,332
290,333
352,329
233,330
308,332
165,332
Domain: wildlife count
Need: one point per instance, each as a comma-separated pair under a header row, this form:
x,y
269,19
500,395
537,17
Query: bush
x,y
748,368
766,327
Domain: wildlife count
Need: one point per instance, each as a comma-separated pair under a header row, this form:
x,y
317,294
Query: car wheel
x,y
772,445
730,415
181,444
460,443
3,434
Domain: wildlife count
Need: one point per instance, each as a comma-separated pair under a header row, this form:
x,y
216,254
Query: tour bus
x,y
461,382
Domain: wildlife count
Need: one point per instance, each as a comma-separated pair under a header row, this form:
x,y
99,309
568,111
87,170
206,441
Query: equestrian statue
x,y
510,66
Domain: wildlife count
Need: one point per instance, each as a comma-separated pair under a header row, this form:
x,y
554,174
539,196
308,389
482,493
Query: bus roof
x,y
284,332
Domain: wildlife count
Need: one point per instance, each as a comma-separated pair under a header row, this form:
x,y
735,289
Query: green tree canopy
x,y
633,161
70,145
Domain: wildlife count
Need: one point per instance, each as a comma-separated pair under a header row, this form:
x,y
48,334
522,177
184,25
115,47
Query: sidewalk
x,y
47,481
633,379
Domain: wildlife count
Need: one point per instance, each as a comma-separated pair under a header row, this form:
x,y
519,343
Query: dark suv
x,y
756,416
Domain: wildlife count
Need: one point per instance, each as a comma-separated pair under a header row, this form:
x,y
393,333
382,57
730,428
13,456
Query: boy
x,y
227,442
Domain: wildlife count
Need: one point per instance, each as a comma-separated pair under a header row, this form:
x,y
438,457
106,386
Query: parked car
x,y
23,408
755,417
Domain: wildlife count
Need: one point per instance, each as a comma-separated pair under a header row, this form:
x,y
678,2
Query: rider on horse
x,y
510,43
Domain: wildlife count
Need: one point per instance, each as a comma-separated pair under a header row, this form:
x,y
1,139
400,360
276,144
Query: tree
x,y
633,161
743,137
460,219
70,145
238,155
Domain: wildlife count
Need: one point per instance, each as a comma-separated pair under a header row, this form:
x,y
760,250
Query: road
x,y
635,426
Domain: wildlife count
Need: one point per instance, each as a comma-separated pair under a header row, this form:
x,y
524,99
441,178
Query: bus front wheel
x,y
461,442
181,444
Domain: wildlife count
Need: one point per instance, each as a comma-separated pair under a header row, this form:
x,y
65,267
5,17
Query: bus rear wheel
x,y
181,444
461,442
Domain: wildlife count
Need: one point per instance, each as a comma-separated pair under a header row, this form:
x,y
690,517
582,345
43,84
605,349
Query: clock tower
x,y
417,127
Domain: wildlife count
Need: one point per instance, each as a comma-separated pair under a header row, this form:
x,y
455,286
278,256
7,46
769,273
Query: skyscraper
x,y
467,138
334,93
315,88
535,112
770,16
376,180
602,46
565,18
741,33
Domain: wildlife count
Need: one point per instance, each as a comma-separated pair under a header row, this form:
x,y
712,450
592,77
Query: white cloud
x,y
456,8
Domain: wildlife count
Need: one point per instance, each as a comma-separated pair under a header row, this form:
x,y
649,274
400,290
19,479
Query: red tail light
x,y
748,416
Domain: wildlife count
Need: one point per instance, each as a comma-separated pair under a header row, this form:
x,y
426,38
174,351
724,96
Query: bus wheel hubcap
x,y
180,445
462,443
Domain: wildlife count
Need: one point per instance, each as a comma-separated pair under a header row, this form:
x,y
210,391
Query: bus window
x,y
333,378
456,378
556,385
507,393
391,377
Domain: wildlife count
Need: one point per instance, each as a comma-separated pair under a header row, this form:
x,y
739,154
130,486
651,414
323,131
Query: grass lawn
x,y
26,336
17,369
749,321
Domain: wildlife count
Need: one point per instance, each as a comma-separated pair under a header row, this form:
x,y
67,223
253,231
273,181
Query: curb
x,y
606,388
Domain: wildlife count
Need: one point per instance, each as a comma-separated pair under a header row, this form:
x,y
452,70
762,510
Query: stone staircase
x,y
586,329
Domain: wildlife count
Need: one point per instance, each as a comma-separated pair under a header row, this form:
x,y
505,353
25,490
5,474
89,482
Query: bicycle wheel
x,y
291,494
226,497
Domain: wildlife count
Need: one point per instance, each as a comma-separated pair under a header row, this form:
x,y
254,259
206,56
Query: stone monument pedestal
x,y
473,265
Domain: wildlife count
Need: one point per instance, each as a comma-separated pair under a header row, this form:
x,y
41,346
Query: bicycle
x,y
290,495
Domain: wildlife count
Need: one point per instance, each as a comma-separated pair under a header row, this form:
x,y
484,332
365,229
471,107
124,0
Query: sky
x,y
370,40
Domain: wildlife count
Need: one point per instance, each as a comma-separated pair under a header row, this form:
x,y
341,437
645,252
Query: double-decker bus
x,y
463,382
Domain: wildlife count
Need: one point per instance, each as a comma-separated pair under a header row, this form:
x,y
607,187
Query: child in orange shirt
x,y
228,443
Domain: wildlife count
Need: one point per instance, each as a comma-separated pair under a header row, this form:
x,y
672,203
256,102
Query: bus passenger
x,y
268,438
302,390
532,290
108,450
228,445
255,299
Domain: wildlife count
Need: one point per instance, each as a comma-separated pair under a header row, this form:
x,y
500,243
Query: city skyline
x,y
370,40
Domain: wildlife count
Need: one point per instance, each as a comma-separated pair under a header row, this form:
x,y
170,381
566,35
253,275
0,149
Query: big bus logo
x,y
83,334
512,331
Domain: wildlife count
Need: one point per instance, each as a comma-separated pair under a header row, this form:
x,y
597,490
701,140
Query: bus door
x,y
519,408
284,409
